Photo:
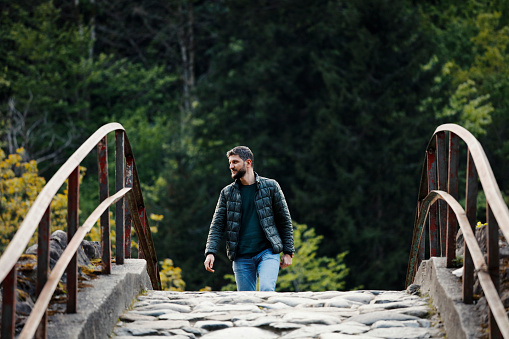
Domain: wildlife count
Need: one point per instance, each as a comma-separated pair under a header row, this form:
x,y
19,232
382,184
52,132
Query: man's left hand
x,y
286,261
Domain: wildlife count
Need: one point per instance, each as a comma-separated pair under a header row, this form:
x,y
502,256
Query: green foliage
x,y
56,92
473,111
336,98
121,90
469,84
171,276
231,285
308,272
44,67
472,88
325,95
20,185
457,262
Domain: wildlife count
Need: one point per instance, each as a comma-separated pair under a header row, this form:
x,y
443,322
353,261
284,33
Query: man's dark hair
x,y
242,151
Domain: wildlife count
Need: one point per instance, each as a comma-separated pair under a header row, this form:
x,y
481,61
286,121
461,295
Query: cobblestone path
x,y
264,315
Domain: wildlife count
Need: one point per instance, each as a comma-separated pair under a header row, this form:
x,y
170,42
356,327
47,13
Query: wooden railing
x,y
128,212
438,203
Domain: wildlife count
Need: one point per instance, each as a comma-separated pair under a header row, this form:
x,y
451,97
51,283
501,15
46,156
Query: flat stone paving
x,y
264,315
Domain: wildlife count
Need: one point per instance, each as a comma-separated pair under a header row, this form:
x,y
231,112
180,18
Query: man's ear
x,y
249,162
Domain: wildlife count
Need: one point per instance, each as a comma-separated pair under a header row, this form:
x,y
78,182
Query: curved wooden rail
x,y
440,173
29,225
59,269
486,176
487,284
127,184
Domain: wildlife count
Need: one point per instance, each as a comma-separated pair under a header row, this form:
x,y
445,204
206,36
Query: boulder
x,y
27,271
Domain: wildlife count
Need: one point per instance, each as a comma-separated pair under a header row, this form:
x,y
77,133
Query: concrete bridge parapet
x,y
100,305
444,288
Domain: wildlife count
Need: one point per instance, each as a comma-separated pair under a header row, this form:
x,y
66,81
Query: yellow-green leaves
x,y
19,187
472,109
171,276
309,273
20,184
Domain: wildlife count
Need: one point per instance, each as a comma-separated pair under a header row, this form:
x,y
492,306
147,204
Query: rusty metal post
x,y
433,220
9,304
493,264
141,214
72,226
120,205
129,168
127,231
421,255
43,235
470,210
452,189
102,160
442,185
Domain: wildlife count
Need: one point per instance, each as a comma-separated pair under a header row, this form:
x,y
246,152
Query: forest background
x,y
337,100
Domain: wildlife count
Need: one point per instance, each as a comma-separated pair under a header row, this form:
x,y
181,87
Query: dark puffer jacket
x,y
273,214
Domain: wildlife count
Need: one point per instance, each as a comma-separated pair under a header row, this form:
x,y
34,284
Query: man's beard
x,y
240,173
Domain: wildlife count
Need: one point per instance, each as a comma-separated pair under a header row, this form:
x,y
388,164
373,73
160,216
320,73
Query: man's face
x,y
237,166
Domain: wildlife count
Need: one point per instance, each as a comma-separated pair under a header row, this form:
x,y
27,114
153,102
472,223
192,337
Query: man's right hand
x,y
209,262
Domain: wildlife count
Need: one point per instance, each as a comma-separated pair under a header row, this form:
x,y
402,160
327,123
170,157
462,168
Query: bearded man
x,y
253,212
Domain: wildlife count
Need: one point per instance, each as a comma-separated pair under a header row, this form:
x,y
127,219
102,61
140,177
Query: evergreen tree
x,y
309,272
336,98
472,89
326,96
42,93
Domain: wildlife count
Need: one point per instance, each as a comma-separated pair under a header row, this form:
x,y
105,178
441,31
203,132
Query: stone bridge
x,y
436,305
266,315
123,305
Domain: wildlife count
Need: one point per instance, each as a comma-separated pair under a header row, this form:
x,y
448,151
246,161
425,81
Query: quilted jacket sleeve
x,y
283,219
217,225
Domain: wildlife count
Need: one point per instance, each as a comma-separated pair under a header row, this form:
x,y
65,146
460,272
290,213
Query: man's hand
x,y
286,261
209,262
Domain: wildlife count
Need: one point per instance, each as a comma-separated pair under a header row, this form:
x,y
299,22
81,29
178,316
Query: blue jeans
x,y
264,265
